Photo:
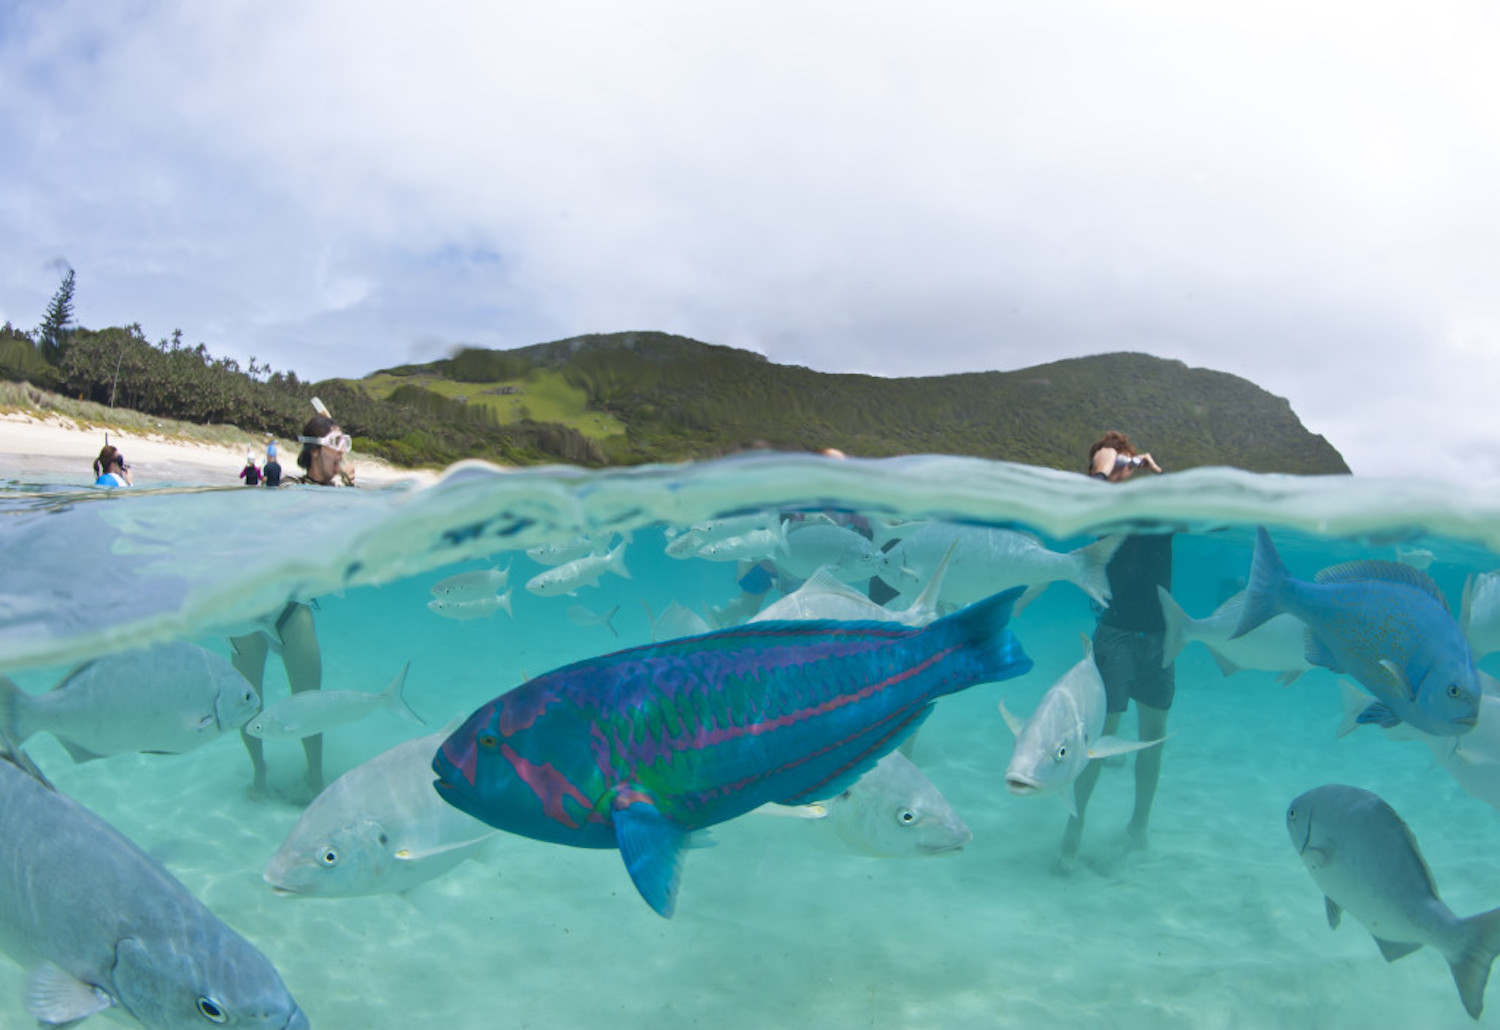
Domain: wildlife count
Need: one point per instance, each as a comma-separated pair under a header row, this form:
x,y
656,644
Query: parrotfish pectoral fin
x,y
1471,970
652,846
1379,715
1398,677
1262,595
1392,950
55,996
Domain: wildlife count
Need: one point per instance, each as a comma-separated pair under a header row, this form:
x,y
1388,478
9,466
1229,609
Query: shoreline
x,y
55,450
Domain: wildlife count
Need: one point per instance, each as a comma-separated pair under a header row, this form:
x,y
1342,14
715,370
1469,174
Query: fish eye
x,y
212,1011
1291,815
488,741
329,857
1454,691
1062,752
906,817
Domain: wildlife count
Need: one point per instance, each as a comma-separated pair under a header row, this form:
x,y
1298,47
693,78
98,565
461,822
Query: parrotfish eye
x,y
329,857
212,1011
906,817
488,741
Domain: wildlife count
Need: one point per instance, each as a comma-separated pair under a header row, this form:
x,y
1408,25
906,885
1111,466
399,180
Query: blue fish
x,y
1384,624
639,748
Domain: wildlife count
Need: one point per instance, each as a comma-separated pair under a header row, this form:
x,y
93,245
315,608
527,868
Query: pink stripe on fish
x,y
549,785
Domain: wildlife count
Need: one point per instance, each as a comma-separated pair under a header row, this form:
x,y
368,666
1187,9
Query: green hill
x,y
646,396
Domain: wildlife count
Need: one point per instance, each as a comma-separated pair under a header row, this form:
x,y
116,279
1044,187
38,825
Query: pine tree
x,y
54,328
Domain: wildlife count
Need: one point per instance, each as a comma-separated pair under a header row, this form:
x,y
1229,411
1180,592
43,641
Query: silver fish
x,y
849,556
1365,860
472,586
1276,645
379,828
580,572
104,927
169,698
988,559
317,711
465,609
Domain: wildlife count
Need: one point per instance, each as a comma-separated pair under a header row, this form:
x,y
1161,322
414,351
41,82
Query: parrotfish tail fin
x,y
617,561
982,629
1090,565
13,707
395,699
652,847
1176,622
1471,970
1262,595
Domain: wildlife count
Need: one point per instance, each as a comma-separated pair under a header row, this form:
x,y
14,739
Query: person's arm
x,y
125,474
1148,461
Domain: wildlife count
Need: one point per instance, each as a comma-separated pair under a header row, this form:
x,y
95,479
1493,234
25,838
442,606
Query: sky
x,y
1306,195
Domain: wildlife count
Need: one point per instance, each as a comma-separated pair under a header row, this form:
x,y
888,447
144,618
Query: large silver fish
x,y
986,559
379,828
169,698
103,927
1365,860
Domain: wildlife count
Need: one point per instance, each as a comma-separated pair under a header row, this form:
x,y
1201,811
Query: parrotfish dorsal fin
x,y
1387,571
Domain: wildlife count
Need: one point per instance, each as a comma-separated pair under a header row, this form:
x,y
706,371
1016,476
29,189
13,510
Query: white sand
x,y
56,449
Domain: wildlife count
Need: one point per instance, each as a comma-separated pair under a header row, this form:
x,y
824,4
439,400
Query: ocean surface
x,y
1216,924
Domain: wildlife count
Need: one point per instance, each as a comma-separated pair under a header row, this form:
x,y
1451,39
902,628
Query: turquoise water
x,y
1217,924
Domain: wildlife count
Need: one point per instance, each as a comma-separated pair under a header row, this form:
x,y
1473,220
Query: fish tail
x,y
395,698
982,629
1263,594
617,561
1471,970
1177,623
506,603
1091,566
609,618
13,709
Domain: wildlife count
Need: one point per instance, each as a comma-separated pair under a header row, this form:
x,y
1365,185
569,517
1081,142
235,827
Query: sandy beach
x,y
56,450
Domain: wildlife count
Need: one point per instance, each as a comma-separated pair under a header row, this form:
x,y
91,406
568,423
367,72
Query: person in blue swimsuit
x,y
1128,643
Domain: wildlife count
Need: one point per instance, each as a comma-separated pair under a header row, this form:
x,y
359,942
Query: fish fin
x,y
609,619
924,608
1032,593
1386,572
505,602
1354,704
1315,652
13,705
1013,722
1398,677
1104,747
78,754
1287,678
55,996
817,810
1262,595
1176,624
1466,605
418,854
1330,907
617,562
1392,950
981,627
11,752
1093,561
1471,970
1227,667
1316,858
395,699
652,847
1376,713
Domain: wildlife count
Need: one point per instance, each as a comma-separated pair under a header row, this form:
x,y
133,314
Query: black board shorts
x,y
1129,662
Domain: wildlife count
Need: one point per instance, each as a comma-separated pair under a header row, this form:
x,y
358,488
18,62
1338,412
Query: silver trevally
x,y
580,572
317,711
168,698
1276,645
892,811
379,828
102,926
848,555
1479,613
1473,760
472,586
986,559
1365,860
1063,734
1384,624
466,608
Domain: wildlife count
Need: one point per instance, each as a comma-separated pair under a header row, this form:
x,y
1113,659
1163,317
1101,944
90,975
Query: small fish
x,y
579,615
1384,624
1063,734
638,749
752,545
892,811
580,572
102,926
1479,613
1275,646
378,829
687,544
166,699
478,608
1365,860
987,559
317,711
472,586
563,551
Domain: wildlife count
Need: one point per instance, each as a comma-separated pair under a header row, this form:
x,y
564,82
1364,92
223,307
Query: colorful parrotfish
x,y
639,748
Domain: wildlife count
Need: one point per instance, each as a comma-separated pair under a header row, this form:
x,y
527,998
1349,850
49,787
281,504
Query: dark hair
x,y
317,427
108,455
1115,439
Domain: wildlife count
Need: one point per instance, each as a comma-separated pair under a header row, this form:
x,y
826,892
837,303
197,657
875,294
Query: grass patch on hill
x,y
541,396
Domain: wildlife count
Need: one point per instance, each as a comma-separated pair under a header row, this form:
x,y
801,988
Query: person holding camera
x,y
110,468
